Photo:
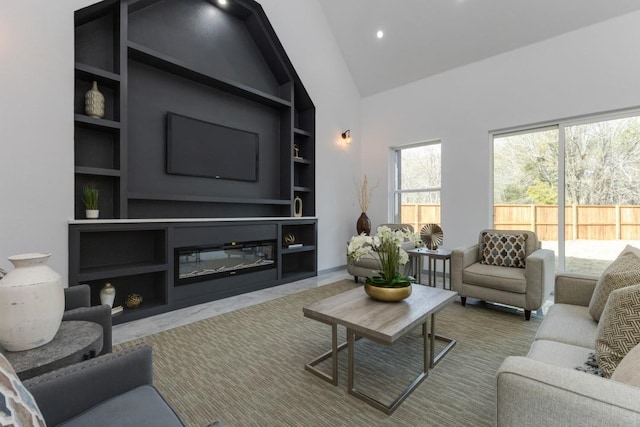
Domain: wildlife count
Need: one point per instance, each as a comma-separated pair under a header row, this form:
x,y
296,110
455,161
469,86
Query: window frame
x,y
395,193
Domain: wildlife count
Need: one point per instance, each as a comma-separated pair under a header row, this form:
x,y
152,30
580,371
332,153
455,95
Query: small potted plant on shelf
x,y
390,284
90,195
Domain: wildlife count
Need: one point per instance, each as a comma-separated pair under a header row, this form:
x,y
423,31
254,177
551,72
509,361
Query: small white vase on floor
x,y
31,303
107,295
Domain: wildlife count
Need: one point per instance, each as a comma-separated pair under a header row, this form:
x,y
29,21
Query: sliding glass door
x,y
591,169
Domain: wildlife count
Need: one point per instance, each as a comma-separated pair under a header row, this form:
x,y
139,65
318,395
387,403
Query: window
x,y
417,184
591,167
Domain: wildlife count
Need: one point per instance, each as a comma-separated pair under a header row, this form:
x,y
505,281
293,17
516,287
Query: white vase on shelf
x,y
31,303
92,213
94,102
107,295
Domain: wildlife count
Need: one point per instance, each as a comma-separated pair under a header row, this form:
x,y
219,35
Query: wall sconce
x,y
346,135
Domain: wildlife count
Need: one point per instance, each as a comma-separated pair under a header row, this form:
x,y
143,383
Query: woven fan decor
x,y
432,236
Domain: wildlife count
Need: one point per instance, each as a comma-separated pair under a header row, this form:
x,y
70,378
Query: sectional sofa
x,y
545,388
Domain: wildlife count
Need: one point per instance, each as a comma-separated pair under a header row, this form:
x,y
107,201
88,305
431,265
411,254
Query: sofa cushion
x,y
141,407
503,250
619,328
17,405
628,370
623,271
490,276
559,354
569,324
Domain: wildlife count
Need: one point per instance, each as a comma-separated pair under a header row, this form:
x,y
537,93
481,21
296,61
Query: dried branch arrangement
x,y
364,192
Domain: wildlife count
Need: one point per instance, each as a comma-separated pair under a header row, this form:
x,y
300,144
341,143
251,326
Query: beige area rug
x,y
246,368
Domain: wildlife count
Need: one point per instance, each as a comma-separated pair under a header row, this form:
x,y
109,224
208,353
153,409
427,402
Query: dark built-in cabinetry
x,y
217,64
141,257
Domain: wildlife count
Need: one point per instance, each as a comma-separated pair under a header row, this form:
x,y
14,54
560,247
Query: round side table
x,y
75,341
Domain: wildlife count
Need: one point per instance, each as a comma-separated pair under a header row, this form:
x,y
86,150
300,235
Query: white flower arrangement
x,y
387,243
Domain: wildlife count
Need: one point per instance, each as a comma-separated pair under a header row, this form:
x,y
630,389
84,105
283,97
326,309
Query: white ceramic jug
x,y
31,303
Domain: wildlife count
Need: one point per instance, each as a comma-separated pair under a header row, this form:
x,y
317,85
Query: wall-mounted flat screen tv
x,y
199,148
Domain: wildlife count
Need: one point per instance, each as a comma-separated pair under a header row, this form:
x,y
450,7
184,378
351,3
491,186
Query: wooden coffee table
x,y
383,323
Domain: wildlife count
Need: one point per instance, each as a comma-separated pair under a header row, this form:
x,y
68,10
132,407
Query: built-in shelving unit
x,y
138,257
225,67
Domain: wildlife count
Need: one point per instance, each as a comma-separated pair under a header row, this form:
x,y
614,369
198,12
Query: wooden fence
x,y
590,222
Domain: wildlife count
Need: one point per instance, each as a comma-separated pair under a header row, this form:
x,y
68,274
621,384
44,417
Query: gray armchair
x,y
77,306
369,264
111,390
526,287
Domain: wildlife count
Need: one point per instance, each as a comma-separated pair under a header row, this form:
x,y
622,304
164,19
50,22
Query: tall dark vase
x,y
364,224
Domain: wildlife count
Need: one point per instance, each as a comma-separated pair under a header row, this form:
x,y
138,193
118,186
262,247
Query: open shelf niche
x,y
222,65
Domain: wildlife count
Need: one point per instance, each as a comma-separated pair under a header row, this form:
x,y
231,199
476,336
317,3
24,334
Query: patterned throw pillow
x,y
504,250
623,271
627,371
17,406
619,328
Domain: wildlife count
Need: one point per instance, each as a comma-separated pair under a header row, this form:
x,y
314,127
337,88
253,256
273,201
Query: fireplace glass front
x,y
195,264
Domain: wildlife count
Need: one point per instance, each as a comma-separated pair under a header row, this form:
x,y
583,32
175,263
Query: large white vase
x,y
31,303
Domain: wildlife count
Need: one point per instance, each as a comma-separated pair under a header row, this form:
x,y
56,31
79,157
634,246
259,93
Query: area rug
x,y
246,368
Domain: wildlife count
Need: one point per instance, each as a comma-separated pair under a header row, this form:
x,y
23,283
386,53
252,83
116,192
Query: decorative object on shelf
x,y
116,310
289,238
363,224
346,135
90,195
94,102
31,303
387,243
297,207
432,236
133,300
296,151
107,295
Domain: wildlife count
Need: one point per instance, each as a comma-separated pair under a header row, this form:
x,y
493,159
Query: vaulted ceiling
x,y
426,37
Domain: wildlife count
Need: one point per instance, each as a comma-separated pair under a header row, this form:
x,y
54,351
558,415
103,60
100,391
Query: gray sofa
x,y
545,389
111,390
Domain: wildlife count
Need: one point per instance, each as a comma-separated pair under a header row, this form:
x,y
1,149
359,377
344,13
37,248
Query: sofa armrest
x,y
100,314
540,270
65,393
533,393
573,288
77,296
461,258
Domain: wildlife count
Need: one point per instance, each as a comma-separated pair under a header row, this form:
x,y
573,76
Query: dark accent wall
x,y
222,65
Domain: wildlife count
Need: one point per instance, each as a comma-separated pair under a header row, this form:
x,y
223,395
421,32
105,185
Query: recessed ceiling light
x,y
380,34
222,2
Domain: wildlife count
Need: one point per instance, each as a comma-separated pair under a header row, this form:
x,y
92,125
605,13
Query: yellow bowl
x,y
387,294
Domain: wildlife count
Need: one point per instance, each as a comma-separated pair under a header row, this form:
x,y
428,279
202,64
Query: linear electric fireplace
x,y
200,263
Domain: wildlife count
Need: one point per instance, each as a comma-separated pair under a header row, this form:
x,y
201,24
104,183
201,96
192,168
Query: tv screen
x,y
199,148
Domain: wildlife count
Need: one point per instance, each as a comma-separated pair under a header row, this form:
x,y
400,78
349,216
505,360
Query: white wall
x,y
36,123
591,70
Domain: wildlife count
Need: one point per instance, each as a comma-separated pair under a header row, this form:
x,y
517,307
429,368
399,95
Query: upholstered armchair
x,y
369,264
505,266
77,306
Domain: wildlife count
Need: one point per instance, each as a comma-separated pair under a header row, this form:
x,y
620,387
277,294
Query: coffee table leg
x,y
333,353
387,409
435,358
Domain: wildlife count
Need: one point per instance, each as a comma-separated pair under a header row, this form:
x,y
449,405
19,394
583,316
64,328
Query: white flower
x,y
387,243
